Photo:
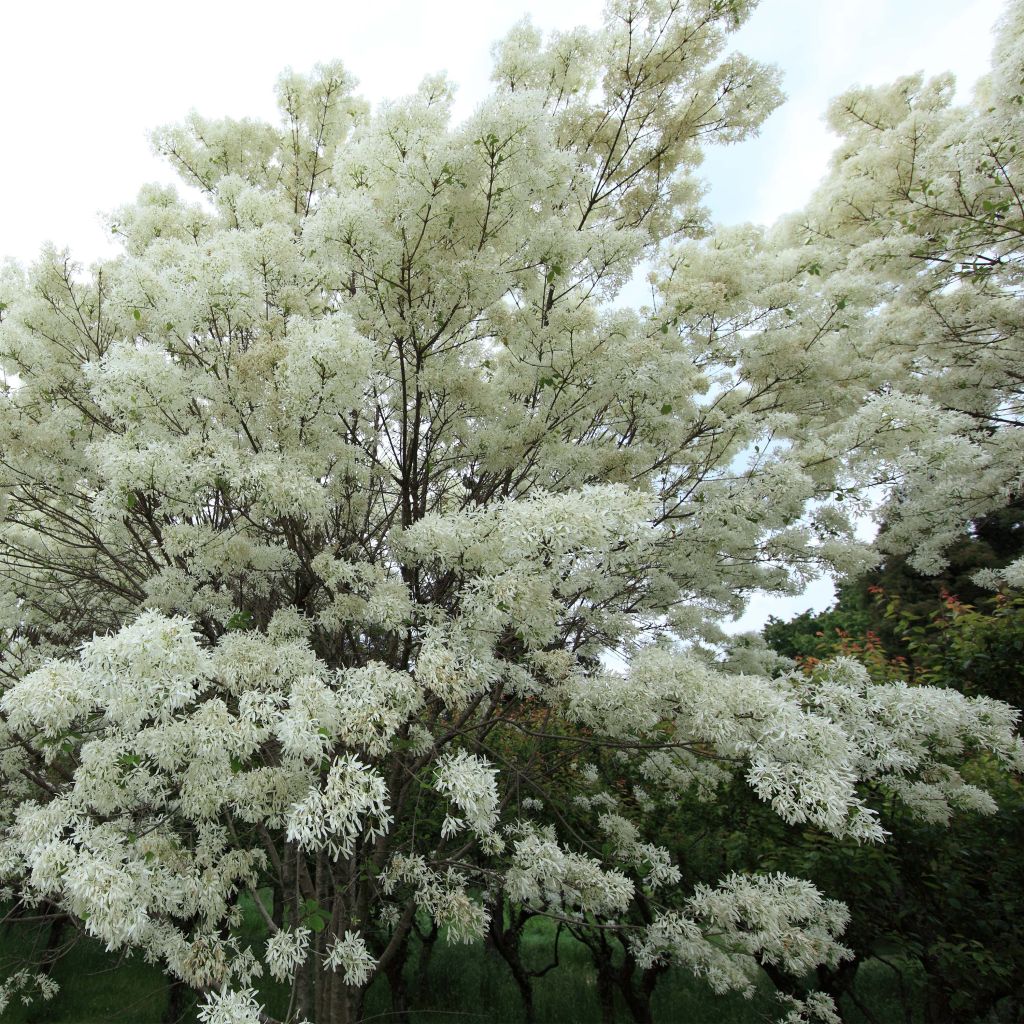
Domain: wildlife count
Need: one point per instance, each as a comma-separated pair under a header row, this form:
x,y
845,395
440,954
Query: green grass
x,y
96,987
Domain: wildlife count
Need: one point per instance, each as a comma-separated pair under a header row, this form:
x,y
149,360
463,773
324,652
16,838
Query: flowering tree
x,y
326,501
891,303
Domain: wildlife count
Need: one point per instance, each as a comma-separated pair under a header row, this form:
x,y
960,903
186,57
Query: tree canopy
x,y
326,502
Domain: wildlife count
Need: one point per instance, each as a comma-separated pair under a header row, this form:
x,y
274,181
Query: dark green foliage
x,y
993,542
942,905
816,636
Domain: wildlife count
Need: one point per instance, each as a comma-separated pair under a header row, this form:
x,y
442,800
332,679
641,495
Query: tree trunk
x,y
53,941
303,985
304,995
277,908
177,1001
394,971
602,956
427,944
322,981
506,942
937,1008
346,1004
637,994
839,982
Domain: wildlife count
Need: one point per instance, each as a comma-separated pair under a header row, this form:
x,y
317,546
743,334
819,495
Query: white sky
x,y
83,83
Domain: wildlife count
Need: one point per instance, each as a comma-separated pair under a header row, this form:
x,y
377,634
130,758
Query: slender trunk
x,y
346,1004
937,1005
303,976
277,909
304,985
506,942
177,1001
321,978
602,957
394,971
525,985
53,941
636,991
428,941
839,982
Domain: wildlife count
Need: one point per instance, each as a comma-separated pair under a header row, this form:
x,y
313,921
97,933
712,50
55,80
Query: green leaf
x,y
240,620
666,409
137,314
316,923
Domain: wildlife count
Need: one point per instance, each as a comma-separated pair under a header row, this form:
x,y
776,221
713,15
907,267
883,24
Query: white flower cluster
x,y
48,700
545,875
350,954
805,744
27,986
286,950
372,703
444,897
362,707
361,593
680,771
470,782
353,802
231,1006
779,919
905,736
813,1008
524,560
629,848
161,650
456,664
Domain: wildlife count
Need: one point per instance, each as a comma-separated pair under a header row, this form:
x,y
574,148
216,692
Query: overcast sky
x,y
83,83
